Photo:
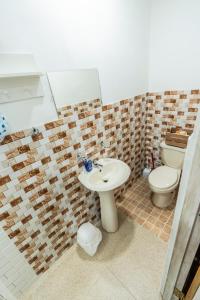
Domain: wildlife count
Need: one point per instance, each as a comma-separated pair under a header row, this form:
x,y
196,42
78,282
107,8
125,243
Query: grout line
x,y
140,191
122,283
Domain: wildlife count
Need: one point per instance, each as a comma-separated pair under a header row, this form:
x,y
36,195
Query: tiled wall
x,y
15,272
42,202
163,110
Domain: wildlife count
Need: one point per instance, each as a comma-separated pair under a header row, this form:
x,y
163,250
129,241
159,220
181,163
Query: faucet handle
x,y
95,161
105,144
81,156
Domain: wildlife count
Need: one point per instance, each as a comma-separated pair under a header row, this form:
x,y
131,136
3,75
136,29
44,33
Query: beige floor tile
x,y
139,206
128,265
107,287
67,278
139,263
114,245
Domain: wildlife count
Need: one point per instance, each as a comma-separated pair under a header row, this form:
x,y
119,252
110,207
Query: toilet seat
x,y
164,177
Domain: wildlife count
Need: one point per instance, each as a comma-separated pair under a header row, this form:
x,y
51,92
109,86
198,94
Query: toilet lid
x,y
163,177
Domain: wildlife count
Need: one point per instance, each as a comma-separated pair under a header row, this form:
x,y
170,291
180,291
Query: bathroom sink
x,y
104,180
113,174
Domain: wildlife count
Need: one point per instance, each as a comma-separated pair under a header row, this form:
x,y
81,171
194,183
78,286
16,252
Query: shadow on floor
x,y
113,244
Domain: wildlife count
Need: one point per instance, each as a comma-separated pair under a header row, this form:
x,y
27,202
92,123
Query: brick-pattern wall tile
x,y
42,203
164,110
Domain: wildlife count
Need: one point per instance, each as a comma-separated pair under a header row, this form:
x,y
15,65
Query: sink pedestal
x,y
109,216
112,175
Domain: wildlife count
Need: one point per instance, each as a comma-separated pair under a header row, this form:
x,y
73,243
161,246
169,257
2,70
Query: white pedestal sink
x,y
113,174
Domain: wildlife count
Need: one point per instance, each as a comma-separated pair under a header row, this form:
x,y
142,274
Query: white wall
x,y
110,35
174,45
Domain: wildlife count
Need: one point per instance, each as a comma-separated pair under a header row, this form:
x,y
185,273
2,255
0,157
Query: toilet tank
x,y
172,156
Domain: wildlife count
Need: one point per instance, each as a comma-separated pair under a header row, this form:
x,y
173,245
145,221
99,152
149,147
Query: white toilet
x,y
165,179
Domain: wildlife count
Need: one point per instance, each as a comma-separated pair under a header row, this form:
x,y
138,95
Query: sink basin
x,y
113,174
104,180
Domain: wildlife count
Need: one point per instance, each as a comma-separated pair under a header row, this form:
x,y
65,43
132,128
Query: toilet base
x,y
162,200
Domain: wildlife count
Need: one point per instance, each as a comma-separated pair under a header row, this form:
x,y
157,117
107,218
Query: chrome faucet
x,y
97,165
105,144
80,156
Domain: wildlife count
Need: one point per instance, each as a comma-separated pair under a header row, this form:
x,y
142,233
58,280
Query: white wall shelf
x,y
19,78
18,65
28,74
20,88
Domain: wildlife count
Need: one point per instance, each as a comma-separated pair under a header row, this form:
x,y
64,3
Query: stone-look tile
x,y
80,282
140,264
78,276
107,287
115,244
42,201
136,203
164,110
128,265
136,257
68,278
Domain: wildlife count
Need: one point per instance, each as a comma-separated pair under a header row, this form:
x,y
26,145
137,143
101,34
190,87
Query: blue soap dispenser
x,y
88,165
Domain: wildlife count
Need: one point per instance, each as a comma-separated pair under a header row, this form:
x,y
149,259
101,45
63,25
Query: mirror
x,y
74,86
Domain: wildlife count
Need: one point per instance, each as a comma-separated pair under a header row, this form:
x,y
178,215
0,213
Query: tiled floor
x,y
127,266
137,204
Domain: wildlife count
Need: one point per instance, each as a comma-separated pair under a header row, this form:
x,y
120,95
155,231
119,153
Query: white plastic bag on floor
x,y
89,238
